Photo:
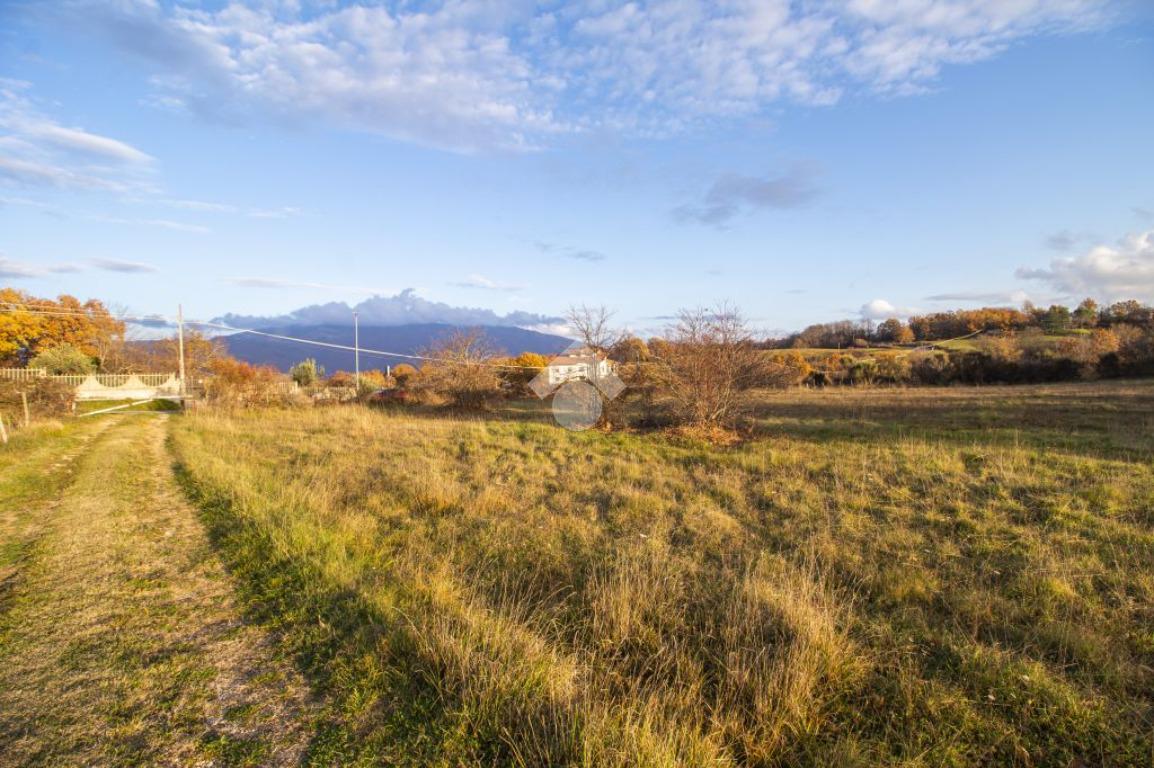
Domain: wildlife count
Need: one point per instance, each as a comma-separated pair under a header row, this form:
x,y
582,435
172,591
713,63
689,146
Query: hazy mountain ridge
x,y
409,339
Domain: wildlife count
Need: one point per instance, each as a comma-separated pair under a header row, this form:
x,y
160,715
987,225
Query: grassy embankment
x,y
913,577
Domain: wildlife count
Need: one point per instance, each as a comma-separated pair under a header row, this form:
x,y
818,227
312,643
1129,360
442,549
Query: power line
x,y
363,350
13,307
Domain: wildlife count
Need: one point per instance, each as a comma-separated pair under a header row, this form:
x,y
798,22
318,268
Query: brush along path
x,y
119,640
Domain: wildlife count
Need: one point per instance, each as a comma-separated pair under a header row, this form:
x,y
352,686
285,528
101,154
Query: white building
x,y
578,365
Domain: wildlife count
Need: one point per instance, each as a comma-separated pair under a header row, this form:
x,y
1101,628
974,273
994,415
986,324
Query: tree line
x,y
1054,320
701,372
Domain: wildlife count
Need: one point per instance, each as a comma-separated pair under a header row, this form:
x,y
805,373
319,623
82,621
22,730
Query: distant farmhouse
x,y
581,364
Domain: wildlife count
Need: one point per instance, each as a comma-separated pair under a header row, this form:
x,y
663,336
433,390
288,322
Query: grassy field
x,y
120,642
879,577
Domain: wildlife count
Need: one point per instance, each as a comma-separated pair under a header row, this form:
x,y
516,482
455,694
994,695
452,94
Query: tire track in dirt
x,y
124,645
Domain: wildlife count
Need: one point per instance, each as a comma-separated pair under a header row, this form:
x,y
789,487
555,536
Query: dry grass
x,y
958,577
119,640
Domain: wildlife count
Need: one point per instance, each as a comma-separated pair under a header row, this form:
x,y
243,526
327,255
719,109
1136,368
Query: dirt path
x,y
120,643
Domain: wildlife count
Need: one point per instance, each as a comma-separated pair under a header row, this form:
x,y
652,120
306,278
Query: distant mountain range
x,y
407,339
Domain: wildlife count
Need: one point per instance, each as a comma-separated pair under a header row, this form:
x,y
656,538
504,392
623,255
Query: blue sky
x,y
806,161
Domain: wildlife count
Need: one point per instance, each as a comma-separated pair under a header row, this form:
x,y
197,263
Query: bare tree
x,y
706,365
462,370
594,327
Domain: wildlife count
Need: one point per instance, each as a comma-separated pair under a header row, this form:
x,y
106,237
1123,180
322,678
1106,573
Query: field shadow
x,y
1108,425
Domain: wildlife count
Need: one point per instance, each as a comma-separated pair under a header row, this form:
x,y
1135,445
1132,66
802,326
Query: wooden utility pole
x,y
180,348
357,351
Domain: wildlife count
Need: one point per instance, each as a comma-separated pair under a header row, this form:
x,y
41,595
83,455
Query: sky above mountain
x,y
804,160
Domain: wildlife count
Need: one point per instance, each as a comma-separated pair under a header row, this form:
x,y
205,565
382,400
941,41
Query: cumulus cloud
x,y
474,74
127,267
880,309
404,308
732,194
1124,270
444,76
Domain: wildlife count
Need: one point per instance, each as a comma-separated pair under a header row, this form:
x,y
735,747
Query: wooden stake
x,y
27,417
3,432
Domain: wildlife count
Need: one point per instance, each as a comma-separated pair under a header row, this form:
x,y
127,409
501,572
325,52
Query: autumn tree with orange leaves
x,y
30,325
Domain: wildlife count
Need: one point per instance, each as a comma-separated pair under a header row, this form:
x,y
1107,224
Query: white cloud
x,y
199,205
901,46
439,77
15,270
37,174
74,139
569,251
1124,270
37,151
983,297
205,206
474,74
285,212
404,308
1062,241
733,193
176,226
484,283
117,265
276,283
880,309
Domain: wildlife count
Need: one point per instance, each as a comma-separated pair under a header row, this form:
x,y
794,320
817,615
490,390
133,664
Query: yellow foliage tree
x,y
29,325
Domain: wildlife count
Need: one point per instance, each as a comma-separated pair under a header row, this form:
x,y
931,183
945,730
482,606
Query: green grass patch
x,y
164,406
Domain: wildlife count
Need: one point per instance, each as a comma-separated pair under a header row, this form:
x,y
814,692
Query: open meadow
x,y
925,577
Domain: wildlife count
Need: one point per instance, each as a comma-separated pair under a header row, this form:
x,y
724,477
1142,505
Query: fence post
x,y
3,432
24,400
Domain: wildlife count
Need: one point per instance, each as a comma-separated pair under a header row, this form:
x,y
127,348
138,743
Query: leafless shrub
x,y
706,365
461,371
